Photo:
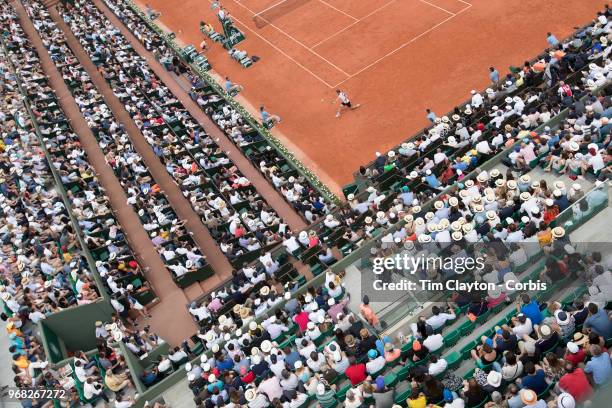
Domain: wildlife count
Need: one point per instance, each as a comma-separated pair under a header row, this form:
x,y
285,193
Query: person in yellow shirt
x,y
21,361
417,399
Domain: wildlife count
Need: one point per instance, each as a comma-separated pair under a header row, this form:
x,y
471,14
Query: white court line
x,y
283,52
295,40
438,7
338,10
402,46
352,24
268,8
349,76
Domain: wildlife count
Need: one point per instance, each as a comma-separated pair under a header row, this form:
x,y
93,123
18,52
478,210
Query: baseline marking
x,y
338,10
283,52
295,40
438,7
310,49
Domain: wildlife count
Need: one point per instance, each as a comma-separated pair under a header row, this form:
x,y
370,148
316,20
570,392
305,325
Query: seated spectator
x,y
535,378
575,382
599,367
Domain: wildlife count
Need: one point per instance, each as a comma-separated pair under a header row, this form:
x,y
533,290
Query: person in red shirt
x,y
246,376
356,372
574,354
551,212
576,383
301,319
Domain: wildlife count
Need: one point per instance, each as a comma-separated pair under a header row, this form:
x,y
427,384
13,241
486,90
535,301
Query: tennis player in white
x,y
344,102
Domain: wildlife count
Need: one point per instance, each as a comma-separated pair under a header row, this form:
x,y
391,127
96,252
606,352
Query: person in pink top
x,y
214,305
496,296
301,319
367,312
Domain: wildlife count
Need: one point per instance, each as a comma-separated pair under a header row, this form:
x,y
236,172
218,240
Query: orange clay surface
x,y
394,57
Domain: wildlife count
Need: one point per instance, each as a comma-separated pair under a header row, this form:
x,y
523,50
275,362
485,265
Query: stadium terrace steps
x,y
171,297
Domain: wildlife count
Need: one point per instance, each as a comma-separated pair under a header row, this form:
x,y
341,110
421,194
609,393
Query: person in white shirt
x,y
345,102
81,372
177,355
522,326
289,381
439,156
316,361
434,342
436,366
483,147
92,389
376,362
124,402
477,99
164,365
439,318
273,328
201,313
296,399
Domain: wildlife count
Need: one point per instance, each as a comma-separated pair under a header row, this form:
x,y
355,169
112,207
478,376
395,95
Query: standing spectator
x,y
267,119
431,116
493,75
366,311
551,39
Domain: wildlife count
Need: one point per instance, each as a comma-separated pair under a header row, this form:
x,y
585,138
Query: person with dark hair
x,y
553,367
439,318
368,313
433,389
506,341
356,372
529,308
473,393
580,313
512,368
484,354
598,321
535,378
436,365
575,382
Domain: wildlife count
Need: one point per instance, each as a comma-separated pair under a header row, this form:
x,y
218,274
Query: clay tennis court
x,y
395,57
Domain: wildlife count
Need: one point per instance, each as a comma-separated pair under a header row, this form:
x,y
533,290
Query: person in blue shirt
x,y
431,179
460,164
493,75
149,377
430,115
530,308
598,321
535,380
268,119
232,88
599,366
406,195
561,200
551,40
